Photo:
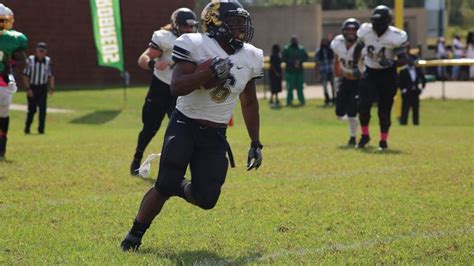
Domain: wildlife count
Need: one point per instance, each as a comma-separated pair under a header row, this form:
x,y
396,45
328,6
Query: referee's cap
x,y
42,45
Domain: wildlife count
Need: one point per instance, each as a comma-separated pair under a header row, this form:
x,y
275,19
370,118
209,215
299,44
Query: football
x,y
212,82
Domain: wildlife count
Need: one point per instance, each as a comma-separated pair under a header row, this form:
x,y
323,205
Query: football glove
x,y
356,72
384,62
255,155
220,67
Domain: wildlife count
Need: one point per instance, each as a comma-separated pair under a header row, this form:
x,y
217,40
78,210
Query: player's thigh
x,y
209,165
5,101
178,147
367,91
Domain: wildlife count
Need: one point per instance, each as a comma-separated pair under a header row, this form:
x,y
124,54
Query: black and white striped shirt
x,y
38,71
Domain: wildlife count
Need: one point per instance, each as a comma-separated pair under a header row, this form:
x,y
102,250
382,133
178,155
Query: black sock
x,y
4,121
139,229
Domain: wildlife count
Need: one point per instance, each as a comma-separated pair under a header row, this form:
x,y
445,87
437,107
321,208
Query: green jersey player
x,y
12,46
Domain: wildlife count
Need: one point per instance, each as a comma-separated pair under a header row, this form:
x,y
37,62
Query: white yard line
x,y
22,107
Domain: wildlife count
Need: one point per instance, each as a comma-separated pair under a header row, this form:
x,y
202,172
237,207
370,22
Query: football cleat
x,y
383,145
131,243
352,142
363,141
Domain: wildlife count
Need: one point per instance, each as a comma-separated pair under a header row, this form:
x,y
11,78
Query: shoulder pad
x,y
364,29
336,41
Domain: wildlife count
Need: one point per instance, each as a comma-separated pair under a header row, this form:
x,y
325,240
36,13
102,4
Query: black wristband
x,y
151,64
256,144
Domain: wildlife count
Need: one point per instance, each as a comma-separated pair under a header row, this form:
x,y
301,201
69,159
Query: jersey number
x,y
371,49
222,92
347,64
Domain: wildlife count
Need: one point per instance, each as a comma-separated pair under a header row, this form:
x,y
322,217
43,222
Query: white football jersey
x,y
216,104
380,47
338,45
164,41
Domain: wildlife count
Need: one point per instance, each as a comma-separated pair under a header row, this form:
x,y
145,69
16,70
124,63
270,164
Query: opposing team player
x,y
157,58
386,50
196,133
347,95
12,46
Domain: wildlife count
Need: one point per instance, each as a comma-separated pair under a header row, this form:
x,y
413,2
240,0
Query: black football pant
x,y
203,149
410,100
158,102
37,102
377,85
347,96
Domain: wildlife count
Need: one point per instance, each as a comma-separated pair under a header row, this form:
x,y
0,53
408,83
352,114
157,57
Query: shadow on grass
x,y
97,117
200,257
375,150
345,147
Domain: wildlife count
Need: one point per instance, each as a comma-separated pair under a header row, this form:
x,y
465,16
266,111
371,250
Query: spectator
x,y
39,81
294,55
410,79
457,53
470,52
441,53
275,75
324,59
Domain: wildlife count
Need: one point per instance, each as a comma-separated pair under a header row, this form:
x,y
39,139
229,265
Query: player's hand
x,y
12,88
356,73
255,155
221,67
384,62
30,93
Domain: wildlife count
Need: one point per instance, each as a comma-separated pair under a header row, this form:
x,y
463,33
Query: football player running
x,y
157,58
347,94
196,133
12,47
386,50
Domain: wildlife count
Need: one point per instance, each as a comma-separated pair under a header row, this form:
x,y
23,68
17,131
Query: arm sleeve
x,y
160,40
50,69
257,70
184,49
27,70
22,42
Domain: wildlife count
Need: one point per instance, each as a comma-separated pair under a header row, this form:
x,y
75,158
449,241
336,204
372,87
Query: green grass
x,y
66,197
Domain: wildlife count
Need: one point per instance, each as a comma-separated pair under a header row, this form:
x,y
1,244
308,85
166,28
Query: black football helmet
x,y
219,18
182,17
350,23
381,19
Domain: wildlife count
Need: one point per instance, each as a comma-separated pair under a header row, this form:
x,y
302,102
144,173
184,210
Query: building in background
x,y
67,28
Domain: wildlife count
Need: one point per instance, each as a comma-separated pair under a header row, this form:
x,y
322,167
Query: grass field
x,y
66,197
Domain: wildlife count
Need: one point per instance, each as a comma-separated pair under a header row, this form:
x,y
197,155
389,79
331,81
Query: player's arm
x,y
402,56
357,52
147,59
249,105
186,79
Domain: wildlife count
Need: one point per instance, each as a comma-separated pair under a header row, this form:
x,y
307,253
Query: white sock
x,y
352,126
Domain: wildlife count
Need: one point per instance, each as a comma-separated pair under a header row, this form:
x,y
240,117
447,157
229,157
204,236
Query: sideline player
x,y
347,94
157,58
12,46
386,50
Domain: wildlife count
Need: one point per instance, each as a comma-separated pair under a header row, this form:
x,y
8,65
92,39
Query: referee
x,y
39,80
